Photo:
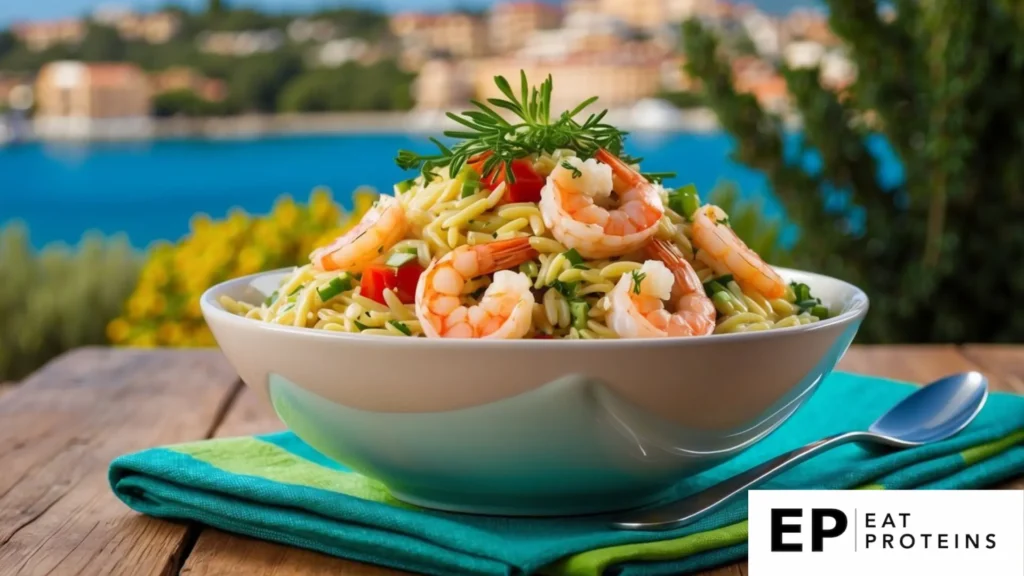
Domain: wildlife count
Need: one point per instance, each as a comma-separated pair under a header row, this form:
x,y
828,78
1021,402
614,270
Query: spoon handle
x,y
692,508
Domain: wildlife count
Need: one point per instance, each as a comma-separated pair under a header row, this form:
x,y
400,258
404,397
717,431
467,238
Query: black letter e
x,y
778,529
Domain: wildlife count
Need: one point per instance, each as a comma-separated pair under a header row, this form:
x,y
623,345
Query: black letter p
x,y
818,532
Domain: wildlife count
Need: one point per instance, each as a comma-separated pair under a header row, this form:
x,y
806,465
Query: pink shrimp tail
x,y
506,254
620,168
687,281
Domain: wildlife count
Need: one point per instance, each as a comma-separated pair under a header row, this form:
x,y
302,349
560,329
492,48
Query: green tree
x,y
215,7
382,86
941,82
187,103
101,44
7,43
255,82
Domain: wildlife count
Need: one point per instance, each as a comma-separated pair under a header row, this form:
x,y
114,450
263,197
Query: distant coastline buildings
x,y
623,51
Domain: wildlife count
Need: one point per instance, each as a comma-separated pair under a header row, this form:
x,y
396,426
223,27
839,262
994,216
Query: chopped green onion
x,y
470,182
820,312
296,291
405,185
401,327
574,258
684,201
288,307
806,305
580,311
335,287
399,259
567,289
723,302
271,299
638,278
360,325
529,268
409,250
713,287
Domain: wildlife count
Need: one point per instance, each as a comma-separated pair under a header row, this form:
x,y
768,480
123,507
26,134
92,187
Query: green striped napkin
x,y
277,488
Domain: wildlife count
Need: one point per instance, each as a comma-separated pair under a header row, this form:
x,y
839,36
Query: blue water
x,y
150,190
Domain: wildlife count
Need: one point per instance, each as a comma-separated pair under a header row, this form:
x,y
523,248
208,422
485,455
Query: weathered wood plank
x,y
1003,362
60,429
917,364
219,553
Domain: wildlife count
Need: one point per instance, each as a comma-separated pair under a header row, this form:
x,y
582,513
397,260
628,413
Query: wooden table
x,y
60,429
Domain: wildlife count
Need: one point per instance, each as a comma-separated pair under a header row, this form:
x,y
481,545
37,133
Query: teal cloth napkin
x,y
277,488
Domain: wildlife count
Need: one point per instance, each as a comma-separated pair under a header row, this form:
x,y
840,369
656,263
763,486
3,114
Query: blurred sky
x,y
13,10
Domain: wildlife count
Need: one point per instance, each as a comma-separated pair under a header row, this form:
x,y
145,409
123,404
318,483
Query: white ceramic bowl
x,y
528,427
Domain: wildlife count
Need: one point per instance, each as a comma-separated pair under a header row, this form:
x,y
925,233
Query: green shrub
x,y
938,253
59,298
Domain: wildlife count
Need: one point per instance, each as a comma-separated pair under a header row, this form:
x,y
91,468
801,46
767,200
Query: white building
x,y
763,31
337,52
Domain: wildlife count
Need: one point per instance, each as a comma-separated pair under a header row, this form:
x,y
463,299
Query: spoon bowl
x,y
934,412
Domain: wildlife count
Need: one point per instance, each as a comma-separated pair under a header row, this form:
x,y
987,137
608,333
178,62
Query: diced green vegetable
x,y
271,299
399,259
712,287
580,314
470,182
529,268
684,201
335,287
574,258
401,327
819,312
360,325
296,291
567,289
723,302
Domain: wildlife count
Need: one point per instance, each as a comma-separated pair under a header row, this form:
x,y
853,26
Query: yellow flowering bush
x,y
164,309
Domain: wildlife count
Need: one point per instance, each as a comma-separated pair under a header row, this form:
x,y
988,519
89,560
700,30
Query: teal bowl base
x,y
530,505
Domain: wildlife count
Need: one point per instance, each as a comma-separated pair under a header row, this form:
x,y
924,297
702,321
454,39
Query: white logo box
x,y
930,532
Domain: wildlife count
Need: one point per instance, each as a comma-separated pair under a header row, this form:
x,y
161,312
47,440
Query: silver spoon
x,y
933,413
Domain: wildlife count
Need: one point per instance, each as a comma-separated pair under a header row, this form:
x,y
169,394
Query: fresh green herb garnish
x,y
401,327
296,291
638,278
657,176
820,312
566,289
271,299
360,325
804,300
574,258
575,171
684,201
724,221
533,131
580,311
288,307
399,259
335,287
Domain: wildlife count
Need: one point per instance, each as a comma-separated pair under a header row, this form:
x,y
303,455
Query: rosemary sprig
x,y
532,131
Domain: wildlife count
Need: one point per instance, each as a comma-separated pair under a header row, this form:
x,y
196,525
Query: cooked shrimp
x,y
379,229
506,308
573,206
638,310
725,253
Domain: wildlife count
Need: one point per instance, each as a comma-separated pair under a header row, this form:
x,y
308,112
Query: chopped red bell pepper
x,y
528,183
402,281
